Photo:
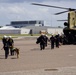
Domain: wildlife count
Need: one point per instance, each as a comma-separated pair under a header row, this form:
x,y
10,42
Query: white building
x,y
49,30
55,30
30,29
13,30
24,31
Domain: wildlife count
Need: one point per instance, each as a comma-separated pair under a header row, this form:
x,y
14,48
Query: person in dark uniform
x,y
61,39
46,40
57,40
4,39
11,44
6,46
52,39
42,42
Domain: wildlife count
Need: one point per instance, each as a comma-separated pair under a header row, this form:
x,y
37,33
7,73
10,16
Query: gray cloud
x,y
12,10
21,1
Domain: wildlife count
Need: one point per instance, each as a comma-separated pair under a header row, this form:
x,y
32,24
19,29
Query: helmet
x,y
9,36
5,36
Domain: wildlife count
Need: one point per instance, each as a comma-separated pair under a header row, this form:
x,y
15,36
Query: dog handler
x,y
11,44
6,46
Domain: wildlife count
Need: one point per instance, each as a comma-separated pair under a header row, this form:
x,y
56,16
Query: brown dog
x,y
15,51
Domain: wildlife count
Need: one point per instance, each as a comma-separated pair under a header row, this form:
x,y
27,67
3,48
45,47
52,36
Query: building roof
x,y
8,27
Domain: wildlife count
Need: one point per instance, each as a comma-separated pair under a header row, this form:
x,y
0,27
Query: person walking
x,y
42,42
11,44
52,39
4,39
6,46
46,40
57,40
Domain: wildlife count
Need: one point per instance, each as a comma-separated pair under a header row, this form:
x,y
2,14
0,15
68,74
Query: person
x,y
6,46
61,40
46,40
57,40
11,44
52,39
4,39
42,42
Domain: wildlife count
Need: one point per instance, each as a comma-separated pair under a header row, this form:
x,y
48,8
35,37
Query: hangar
x,y
13,30
28,29
48,29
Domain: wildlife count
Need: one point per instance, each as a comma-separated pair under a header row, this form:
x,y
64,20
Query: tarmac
x,y
33,61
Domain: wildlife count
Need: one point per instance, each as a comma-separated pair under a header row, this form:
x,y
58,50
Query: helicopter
x,y
70,26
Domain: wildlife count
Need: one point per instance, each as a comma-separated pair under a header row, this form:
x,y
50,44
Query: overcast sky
x,y
22,10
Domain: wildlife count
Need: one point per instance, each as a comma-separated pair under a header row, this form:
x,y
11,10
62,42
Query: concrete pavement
x,y
33,61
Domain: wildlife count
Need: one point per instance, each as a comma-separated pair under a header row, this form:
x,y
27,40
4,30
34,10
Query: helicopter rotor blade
x,y
60,12
52,6
62,20
49,6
